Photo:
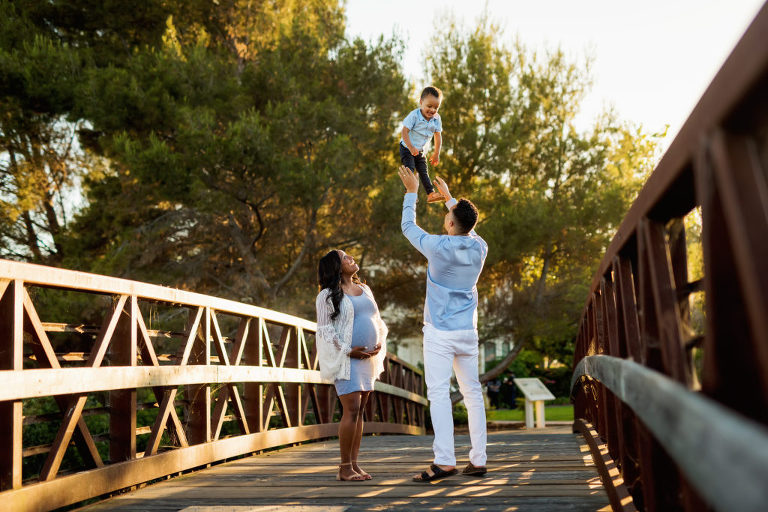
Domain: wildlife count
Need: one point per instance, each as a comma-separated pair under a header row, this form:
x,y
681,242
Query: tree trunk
x,y
493,372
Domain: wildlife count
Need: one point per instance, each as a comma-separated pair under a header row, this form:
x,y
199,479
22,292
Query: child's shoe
x,y
435,197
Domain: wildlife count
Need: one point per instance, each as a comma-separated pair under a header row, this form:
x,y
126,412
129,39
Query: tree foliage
x,y
550,194
225,146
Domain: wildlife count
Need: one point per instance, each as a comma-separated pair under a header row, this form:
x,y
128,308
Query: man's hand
x,y
435,160
442,187
413,150
359,353
410,180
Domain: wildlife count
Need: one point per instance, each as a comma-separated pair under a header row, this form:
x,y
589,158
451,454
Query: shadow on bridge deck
x,y
550,469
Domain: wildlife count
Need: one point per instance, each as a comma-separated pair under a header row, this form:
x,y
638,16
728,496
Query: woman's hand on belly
x,y
359,353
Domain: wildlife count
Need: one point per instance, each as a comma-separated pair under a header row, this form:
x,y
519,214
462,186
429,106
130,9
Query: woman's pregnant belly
x,y
364,333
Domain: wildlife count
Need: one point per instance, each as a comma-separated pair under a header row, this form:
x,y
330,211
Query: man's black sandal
x,y
437,473
473,470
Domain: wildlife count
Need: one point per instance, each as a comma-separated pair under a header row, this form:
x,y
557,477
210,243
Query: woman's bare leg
x,y
347,433
359,434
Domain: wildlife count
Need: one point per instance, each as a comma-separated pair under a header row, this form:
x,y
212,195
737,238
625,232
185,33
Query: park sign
x,y
535,393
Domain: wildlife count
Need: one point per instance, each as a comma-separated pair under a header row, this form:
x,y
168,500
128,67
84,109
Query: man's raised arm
x,y
419,238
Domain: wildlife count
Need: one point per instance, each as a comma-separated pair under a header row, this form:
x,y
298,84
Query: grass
x,y
551,413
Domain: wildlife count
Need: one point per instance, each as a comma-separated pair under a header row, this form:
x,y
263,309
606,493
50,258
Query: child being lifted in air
x,y
418,128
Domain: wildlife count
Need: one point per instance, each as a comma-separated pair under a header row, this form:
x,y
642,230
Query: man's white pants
x,y
458,351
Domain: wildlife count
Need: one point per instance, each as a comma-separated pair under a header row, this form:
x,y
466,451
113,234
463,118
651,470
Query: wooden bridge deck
x,y
551,469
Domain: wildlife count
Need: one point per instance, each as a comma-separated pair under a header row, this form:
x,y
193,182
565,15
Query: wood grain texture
x,y
547,471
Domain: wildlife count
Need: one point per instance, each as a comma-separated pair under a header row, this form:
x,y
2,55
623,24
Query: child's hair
x,y
431,91
465,214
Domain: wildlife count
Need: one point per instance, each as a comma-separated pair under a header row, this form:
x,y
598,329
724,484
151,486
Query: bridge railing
x,y
168,381
684,412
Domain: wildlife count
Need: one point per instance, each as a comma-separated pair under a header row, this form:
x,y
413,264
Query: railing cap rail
x,y
75,280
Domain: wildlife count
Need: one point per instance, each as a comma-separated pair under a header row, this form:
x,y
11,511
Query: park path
x,y
543,470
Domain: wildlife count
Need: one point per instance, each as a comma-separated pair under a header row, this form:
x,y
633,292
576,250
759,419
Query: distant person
x,y
494,387
351,341
418,128
509,392
454,263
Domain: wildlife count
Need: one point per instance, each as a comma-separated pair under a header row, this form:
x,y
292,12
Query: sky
x,y
652,60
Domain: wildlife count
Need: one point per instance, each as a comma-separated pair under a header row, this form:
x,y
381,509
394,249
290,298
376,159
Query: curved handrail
x,y
692,428
260,364
639,307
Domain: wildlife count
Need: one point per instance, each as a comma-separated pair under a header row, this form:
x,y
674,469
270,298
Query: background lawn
x,y
551,413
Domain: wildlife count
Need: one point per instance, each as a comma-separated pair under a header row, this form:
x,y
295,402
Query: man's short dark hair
x,y
431,91
465,214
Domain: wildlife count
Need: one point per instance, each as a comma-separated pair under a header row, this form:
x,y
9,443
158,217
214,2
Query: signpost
x,y
535,393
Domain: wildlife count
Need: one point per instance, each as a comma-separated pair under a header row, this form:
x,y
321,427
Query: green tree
x,y
232,167
550,195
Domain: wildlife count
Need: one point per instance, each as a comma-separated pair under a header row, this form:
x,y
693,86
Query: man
x,y
454,261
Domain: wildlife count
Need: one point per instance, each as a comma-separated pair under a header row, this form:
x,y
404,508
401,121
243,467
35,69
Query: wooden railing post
x,y
122,402
291,348
11,358
253,392
199,395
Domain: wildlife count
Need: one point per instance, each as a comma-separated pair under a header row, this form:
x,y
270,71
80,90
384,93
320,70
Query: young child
x,y
418,128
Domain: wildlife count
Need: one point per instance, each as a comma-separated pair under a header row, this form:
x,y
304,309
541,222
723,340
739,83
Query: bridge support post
x,y
122,402
11,339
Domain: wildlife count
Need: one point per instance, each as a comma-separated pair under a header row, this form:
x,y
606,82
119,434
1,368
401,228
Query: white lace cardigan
x,y
334,337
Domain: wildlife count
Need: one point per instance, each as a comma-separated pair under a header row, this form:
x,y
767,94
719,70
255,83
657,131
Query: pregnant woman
x,y
350,342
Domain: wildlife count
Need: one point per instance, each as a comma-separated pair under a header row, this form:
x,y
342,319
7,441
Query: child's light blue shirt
x,y
421,130
454,266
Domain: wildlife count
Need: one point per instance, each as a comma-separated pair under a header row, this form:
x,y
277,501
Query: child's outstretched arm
x,y
436,152
407,141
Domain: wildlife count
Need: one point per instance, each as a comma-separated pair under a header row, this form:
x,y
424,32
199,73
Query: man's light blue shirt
x,y
420,130
454,266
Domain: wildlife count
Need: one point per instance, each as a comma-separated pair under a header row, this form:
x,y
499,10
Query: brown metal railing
x,y
684,414
158,396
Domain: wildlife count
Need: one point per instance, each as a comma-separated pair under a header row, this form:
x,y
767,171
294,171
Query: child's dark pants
x,y
419,164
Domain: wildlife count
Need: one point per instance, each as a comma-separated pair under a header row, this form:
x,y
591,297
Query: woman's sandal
x,y
356,478
437,473
364,474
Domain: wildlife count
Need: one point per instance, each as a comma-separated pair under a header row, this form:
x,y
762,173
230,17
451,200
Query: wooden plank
x,y
76,403
692,429
328,504
198,396
253,393
105,334
628,307
39,383
667,311
291,358
614,437
280,478
218,339
166,405
122,402
323,479
70,279
743,194
11,359
64,435
165,396
69,489
609,474
437,490
46,358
